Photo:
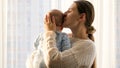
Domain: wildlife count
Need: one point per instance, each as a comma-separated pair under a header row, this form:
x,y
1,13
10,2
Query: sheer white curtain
x,y
3,33
118,34
22,20
105,22
0,34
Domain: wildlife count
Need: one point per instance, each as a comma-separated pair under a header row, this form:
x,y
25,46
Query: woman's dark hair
x,y
86,7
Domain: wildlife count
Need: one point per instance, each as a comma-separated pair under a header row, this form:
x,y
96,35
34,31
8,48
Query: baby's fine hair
x,y
58,15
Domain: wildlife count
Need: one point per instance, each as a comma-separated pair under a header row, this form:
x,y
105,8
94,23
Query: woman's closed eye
x,y
69,10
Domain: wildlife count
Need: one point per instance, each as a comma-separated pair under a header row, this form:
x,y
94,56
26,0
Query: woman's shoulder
x,y
83,46
83,43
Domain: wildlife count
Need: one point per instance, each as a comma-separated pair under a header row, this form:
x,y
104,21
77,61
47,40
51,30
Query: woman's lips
x,y
64,17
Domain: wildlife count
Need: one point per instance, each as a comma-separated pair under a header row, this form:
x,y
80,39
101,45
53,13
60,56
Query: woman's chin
x,y
64,25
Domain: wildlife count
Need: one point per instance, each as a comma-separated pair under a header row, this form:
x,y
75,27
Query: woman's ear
x,y
82,17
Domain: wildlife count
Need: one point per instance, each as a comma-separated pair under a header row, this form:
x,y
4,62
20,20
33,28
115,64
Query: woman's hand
x,y
49,23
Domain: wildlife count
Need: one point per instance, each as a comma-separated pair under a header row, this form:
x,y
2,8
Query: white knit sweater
x,y
81,55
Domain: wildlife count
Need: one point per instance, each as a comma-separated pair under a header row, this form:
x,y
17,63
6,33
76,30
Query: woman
x,y
78,18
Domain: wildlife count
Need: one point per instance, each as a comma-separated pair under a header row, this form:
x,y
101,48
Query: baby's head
x,y
58,18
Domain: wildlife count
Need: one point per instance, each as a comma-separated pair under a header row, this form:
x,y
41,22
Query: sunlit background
x,y
21,21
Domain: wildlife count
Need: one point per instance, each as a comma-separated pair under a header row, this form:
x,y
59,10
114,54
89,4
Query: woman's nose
x,y
64,15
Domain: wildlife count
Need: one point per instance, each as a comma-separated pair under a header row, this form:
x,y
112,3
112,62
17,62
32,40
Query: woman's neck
x,y
80,33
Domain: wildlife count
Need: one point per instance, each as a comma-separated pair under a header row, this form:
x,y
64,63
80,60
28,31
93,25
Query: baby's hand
x,y
49,24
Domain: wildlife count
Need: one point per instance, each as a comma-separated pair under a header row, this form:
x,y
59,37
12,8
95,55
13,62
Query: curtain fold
x,y
3,33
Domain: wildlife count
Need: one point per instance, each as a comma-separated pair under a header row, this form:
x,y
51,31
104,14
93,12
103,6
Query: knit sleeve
x,y
76,57
50,51
52,56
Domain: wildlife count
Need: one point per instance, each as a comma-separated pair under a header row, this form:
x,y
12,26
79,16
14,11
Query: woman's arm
x,y
81,54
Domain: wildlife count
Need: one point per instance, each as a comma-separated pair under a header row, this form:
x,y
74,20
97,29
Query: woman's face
x,y
71,17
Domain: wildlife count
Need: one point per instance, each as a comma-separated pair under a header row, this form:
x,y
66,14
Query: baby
x,y
62,40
